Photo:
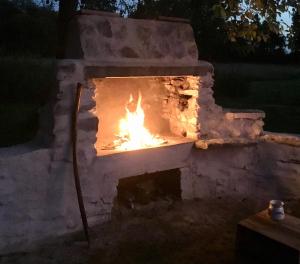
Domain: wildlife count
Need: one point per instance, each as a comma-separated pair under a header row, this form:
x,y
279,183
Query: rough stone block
x,y
87,100
207,81
62,109
63,153
65,71
86,136
70,70
231,114
193,93
86,153
88,124
62,124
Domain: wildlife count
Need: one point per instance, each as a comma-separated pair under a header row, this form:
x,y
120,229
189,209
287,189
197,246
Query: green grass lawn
x,y
19,123
25,86
272,88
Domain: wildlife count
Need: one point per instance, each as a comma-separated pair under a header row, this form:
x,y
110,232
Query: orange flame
x,y
132,132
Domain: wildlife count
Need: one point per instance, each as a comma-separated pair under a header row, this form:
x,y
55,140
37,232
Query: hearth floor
x,y
170,141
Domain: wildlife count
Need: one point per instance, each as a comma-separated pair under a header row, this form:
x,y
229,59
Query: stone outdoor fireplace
x,y
147,71
117,57
124,65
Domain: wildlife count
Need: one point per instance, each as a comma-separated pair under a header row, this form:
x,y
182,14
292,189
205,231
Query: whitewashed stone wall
x,y
34,204
38,198
71,72
255,173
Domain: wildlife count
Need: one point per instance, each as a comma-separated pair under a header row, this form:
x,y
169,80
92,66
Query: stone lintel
x,y
135,71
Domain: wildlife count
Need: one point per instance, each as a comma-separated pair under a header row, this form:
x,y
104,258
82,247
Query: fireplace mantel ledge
x,y
205,143
280,138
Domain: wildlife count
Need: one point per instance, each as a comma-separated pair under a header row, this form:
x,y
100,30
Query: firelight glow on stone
x,y
132,132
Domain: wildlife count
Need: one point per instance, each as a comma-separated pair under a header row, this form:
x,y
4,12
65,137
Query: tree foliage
x,y
295,34
224,29
241,17
27,29
105,5
208,29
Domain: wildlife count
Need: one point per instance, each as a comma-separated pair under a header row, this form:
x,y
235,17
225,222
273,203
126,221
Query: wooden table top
x,y
286,231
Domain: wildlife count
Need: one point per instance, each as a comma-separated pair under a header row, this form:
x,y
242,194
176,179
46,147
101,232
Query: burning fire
x,y
132,132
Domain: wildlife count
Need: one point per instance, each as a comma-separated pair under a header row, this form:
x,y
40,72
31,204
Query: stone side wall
x,y
38,198
37,204
216,122
70,74
257,173
38,201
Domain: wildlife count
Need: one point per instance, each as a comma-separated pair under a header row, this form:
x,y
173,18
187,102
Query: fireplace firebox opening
x,y
145,112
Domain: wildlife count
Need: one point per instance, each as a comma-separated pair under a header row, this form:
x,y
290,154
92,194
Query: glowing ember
x,y
132,133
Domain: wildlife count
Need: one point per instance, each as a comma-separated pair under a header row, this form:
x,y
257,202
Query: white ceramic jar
x,y
276,210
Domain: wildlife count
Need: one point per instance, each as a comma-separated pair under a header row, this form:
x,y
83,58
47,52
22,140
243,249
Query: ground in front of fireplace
x,y
165,232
